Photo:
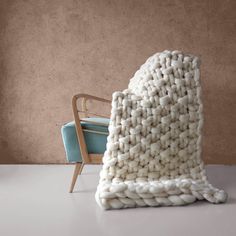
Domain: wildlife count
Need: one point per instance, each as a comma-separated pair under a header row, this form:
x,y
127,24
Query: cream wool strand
x,y
153,155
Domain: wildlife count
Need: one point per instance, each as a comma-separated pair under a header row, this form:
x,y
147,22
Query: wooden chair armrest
x,y
79,131
85,98
90,97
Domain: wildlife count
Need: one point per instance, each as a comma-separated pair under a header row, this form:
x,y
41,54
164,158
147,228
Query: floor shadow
x,y
92,190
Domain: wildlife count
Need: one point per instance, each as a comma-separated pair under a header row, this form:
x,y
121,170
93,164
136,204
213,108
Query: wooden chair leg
x,y
77,171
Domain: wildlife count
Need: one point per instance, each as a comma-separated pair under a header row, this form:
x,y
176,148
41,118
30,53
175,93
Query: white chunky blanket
x,y
153,155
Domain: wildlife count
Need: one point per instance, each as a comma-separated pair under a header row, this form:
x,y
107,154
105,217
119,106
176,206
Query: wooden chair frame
x,y
86,157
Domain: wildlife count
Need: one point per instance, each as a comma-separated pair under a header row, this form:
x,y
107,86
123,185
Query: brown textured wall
x,y
50,50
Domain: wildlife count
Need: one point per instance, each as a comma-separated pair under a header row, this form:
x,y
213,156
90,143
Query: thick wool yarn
x,y
153,155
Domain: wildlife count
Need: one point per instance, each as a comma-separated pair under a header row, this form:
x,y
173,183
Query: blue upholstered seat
x,y
96,143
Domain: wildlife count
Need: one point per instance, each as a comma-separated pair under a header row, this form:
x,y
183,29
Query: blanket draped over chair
x,y
153,154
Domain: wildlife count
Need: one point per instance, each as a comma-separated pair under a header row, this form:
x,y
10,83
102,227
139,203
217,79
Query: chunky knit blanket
x,y
153,155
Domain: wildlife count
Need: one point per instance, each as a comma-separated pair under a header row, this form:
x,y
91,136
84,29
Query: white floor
x,y
34,200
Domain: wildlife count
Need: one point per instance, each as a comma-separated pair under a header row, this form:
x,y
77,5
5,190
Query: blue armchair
x,y
85,138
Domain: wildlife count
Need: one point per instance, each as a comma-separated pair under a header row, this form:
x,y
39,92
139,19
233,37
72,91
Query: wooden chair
x,y
87,158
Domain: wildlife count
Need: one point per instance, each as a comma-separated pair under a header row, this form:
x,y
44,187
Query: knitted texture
x,y
153,155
